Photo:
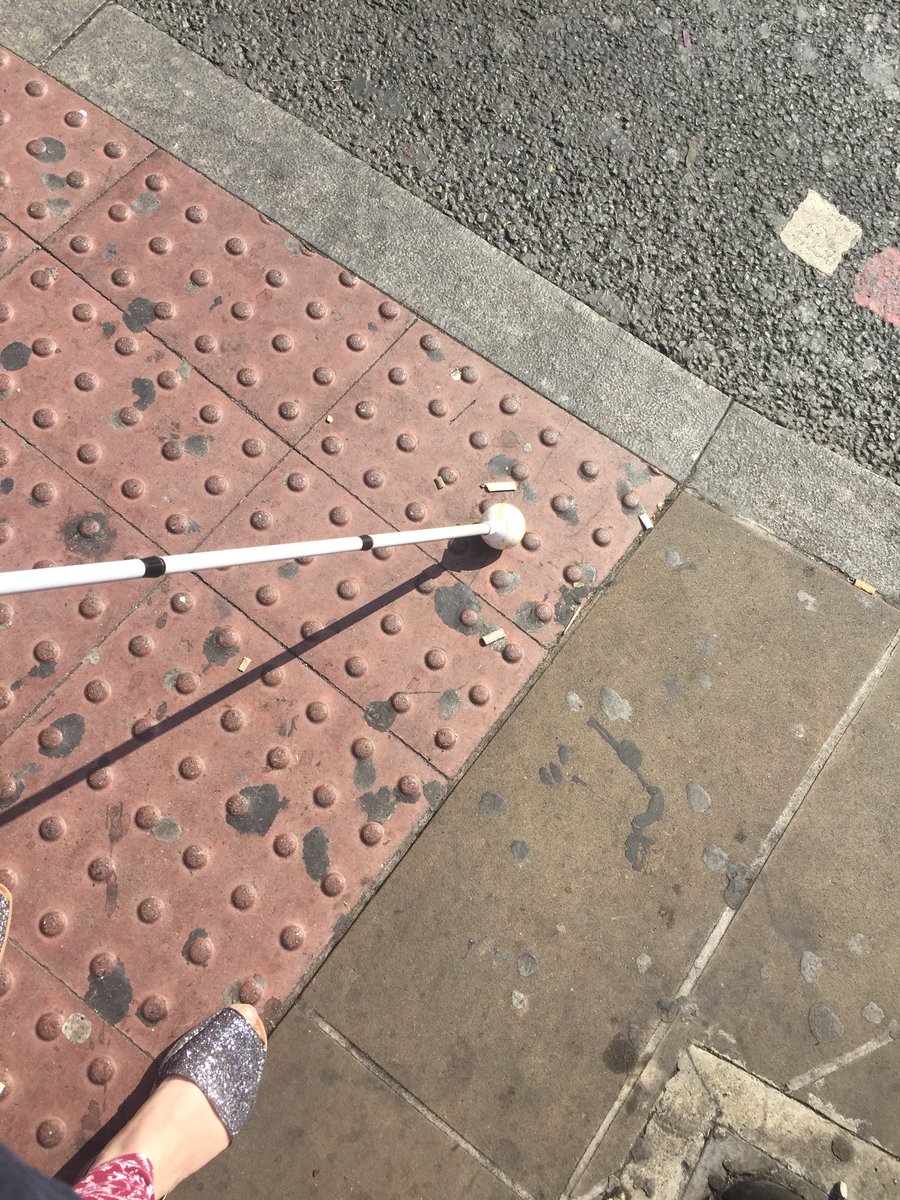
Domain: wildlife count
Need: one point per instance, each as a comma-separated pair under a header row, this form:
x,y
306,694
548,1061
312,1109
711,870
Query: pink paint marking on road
x,y
877,286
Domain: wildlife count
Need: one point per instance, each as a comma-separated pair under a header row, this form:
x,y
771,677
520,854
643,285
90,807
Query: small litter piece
x,y
488,639
863,586
840,1191
438,482
244,664
328,419
574,617
507,485
646,520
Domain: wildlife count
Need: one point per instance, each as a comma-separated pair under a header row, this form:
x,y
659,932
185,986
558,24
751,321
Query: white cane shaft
x,y
88,574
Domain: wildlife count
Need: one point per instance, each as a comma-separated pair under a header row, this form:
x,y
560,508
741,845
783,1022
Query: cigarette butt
x,y
506,486
863,586
488,639
646,521
438,482
244,664
329,419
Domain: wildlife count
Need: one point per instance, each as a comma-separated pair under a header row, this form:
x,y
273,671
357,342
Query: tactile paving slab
x,y
47,518
57,151
112,406
187,833
392,628
65,1071
431,422
275,324
14,246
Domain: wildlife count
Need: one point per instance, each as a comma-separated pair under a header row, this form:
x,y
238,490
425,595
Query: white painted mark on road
x,y
820,234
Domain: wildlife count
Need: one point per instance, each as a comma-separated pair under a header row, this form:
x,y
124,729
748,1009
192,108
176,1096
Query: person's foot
x,y
177,1127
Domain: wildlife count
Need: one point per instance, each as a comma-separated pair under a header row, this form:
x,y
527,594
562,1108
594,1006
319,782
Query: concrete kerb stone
x,y
451,277
818,501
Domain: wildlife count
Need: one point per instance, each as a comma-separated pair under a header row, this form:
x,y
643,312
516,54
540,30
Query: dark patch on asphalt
x,y
146,202
87,547
88,1124
145,392
109,328
139,314
380,805
288,570
525,617
71,727
620,1056
570,515
110,996
115,829
58,206
54,150
214,653
53,183
364,774
6,486
492,804
216,302
520,850
315,853
15,356
450,601
448,704
433,791
192,937
266,802
380,715
197,445
341,925
43,670
20,788
638,843
110,251
166,829
551,775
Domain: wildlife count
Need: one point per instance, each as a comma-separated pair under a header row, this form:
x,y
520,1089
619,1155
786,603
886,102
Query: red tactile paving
x,y
391,628
113,407
188,833
57,151
278,326
66,1072
46,517
179,832
431,409
14,246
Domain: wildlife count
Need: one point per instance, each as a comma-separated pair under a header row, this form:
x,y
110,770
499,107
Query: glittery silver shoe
x,y
224,1057
5,917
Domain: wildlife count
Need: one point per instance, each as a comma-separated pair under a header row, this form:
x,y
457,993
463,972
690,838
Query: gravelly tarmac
x,y
644,158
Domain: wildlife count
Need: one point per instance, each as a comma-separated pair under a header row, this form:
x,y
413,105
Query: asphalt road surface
x,y
644,158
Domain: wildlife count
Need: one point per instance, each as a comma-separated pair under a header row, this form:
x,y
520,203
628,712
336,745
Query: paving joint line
x,y
405,1094
73,33
236,401
767,848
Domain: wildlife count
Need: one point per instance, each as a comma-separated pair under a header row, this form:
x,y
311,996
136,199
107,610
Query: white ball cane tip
x,y
507,526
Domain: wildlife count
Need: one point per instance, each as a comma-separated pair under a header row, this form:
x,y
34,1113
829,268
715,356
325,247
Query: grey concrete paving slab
x,y
513,968
325,1126
448,275
34,30
806,984
818,501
